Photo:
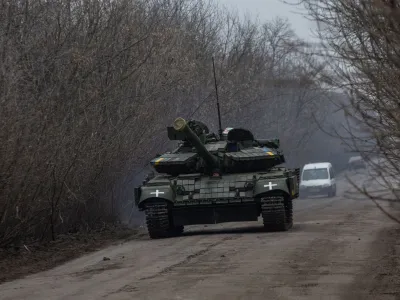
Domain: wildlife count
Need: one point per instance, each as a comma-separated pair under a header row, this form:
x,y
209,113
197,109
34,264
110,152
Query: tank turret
x,y
180,125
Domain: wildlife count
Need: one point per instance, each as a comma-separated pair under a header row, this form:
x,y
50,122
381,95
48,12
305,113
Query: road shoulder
x,y
18,262
380,277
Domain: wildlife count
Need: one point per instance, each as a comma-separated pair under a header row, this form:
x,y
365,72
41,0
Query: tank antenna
x,y
216,92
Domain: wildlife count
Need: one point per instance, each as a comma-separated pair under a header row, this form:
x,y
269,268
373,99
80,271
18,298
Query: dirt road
x,y
338,249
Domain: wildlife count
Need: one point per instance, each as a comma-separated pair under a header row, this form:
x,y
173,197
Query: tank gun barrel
x,y
181,125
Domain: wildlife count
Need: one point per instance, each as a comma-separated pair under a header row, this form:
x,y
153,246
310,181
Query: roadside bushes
x,y
87,88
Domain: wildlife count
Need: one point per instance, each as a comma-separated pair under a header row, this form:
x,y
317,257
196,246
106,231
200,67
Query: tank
x,y
210,179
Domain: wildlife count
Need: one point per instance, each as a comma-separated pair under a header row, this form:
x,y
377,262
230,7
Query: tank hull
x,y
173,202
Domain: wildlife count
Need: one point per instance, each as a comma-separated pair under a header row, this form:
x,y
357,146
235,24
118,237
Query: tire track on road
x,y
191,257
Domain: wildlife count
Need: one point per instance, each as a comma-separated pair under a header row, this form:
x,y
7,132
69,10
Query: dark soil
x,y
17,262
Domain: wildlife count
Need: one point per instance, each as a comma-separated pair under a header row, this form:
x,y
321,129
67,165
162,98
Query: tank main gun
x,y
180,125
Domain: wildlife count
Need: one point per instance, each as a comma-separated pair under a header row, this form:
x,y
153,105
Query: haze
x,y
269,9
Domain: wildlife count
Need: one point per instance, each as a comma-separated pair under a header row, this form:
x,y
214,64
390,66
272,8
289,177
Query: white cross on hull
x,y
270,185
157,192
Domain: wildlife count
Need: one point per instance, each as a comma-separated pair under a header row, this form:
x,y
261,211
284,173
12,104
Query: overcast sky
x,y
268,9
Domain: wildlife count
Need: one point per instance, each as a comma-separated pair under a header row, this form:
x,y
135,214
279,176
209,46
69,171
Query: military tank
x,y
211,179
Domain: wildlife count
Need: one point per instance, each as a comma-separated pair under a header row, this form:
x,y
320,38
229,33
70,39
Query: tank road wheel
x,y
157,220
277,213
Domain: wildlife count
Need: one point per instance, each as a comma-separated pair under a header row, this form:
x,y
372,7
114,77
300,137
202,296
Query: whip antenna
x,y
216,92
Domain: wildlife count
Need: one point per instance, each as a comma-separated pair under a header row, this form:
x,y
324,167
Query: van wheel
x,y
332,192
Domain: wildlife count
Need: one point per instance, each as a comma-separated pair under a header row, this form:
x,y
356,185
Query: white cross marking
x,y
270,185
157,192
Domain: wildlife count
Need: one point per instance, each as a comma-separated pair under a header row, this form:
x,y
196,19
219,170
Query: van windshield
x,y
313,174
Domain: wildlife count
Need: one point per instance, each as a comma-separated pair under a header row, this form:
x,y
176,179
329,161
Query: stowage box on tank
x,y
210,179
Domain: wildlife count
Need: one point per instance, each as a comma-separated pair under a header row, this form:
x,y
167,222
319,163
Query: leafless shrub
x,y
87,88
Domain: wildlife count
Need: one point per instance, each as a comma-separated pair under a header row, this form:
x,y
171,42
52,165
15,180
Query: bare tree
x,y
87,88
361,40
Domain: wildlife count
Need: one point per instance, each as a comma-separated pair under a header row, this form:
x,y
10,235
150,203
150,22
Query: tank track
x,y
158,221
277,215
178,230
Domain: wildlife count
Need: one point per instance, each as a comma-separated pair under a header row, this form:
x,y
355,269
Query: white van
x,y
355,163
317,179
